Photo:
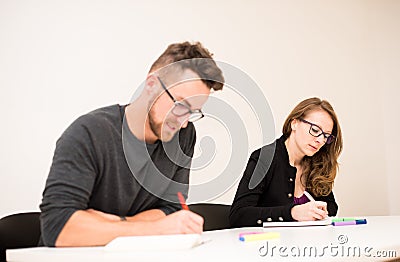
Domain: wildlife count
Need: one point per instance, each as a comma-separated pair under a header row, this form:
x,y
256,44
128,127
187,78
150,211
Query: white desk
x,y
381,234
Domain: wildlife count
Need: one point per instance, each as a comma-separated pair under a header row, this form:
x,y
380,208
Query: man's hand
x,y
181,222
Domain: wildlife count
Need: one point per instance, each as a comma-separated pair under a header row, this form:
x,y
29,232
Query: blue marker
x,y
348,223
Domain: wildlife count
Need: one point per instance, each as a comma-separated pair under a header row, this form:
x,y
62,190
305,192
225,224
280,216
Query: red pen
x,y
182,201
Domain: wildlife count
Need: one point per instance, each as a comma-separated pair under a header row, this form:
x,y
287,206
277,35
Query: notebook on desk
x,y
323,222
154,243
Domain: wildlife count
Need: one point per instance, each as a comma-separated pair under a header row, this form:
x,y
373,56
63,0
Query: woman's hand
x,y
313,210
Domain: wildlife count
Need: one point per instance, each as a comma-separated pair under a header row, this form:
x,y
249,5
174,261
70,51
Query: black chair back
x,y
216,216
19,231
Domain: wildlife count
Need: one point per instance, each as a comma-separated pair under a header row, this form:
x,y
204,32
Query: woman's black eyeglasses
x,y
316,131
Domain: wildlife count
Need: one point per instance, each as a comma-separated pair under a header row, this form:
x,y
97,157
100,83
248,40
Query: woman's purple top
x,y
301,200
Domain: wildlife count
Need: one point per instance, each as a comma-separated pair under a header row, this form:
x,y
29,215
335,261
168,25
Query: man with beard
x,y
117,170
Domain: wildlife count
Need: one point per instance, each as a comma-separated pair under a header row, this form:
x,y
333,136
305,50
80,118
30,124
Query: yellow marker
x,y
260,236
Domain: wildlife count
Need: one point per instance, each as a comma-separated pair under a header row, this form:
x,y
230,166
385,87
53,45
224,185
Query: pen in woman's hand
x,y
309,196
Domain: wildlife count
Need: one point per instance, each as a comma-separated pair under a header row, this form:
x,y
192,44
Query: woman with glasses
x,y
297,171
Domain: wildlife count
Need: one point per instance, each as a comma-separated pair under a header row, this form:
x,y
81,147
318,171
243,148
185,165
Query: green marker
x,y
343,219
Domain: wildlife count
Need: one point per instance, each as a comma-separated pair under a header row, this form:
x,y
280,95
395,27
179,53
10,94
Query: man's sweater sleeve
x,y
70,181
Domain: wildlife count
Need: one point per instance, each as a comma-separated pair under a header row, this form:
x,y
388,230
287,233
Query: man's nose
x,y
183,120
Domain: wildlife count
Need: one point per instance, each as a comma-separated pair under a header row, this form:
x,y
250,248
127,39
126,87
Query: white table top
x,y
378,240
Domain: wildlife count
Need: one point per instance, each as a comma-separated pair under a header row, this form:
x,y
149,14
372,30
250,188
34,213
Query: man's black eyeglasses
x,y
181,109
316,131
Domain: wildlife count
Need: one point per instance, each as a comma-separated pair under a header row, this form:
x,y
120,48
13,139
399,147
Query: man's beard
x,y
157,128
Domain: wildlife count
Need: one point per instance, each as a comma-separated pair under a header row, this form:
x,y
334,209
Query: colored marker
x,y
261,236
249,233
182,201
343,219
348,223
361,221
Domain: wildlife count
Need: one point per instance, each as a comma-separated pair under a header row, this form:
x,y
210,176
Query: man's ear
x,y
151,86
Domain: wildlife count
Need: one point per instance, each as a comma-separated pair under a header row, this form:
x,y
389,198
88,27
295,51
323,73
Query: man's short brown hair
x,y
187,53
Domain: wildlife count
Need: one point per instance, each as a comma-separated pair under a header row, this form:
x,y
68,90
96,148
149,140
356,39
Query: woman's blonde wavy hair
x,y
321,168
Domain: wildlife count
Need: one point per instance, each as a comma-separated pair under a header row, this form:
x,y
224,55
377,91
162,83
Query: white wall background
x,y
61,59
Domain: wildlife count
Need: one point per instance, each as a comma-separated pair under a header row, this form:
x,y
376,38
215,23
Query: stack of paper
x,y
322,222
152,243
